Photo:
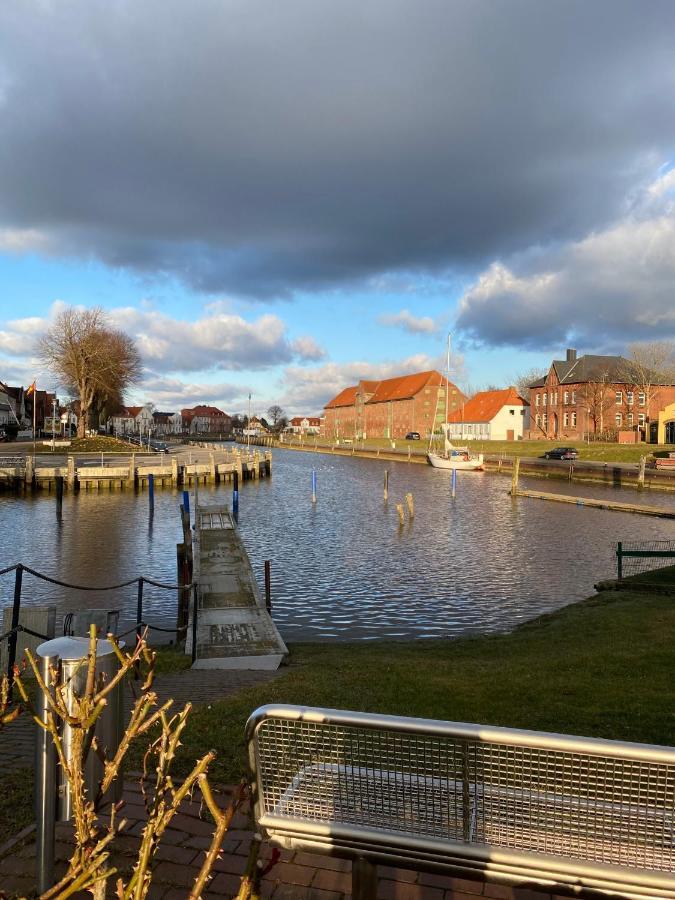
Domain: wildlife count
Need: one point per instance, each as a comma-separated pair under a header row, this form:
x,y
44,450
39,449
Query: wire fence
x,y
141,624
638,557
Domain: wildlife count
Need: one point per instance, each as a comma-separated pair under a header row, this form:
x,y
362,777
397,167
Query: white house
x,y
305,425
132,420
490,416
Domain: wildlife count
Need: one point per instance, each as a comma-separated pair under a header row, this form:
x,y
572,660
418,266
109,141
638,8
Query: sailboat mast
x,y
447,389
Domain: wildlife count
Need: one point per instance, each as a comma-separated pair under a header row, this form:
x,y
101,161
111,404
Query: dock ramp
x,y
234,629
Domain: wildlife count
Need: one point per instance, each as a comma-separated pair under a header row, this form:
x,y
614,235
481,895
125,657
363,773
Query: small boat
x,y
456,458
452,457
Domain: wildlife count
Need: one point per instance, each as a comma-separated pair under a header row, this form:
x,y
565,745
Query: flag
x,y
31,390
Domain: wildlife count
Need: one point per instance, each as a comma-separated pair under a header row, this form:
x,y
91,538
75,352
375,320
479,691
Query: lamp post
x,y
53,423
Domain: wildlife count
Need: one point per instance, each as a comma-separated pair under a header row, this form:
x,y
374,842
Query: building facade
x,y
491,416
596,396
202,419
304,425
391,408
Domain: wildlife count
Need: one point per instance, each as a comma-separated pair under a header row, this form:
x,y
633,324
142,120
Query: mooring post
x,y
151,489
641,475
59,496
30,471
71,473
401,514
411,505
453,482
139,609
194,622
313,485
268,585
235,494
13,638
186,502
571,471
386,484
619,561
364,879
514,476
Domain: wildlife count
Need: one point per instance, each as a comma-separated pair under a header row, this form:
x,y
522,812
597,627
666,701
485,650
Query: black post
x,y
16,609
268,586
619,562
194,623
139,609
59,496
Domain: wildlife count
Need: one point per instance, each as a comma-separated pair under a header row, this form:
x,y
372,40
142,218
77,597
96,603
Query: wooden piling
x,y
212,469
30,472
386,484
268,585
514,476
401,514
411,505
641,475
59,496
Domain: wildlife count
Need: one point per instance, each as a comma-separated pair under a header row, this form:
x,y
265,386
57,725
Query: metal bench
x,y
573,815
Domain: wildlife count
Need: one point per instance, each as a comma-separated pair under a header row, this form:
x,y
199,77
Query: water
x,y
342,569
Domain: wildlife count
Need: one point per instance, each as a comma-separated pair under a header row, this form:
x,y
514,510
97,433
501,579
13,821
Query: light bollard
x,y
53,797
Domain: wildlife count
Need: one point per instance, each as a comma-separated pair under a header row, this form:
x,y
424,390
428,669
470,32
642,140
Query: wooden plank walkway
x,y
234,629
616,505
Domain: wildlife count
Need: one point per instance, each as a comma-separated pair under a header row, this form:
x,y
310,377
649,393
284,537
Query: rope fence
x,y
636,558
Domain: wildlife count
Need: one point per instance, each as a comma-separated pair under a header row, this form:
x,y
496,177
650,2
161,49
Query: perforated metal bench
x,y
573,815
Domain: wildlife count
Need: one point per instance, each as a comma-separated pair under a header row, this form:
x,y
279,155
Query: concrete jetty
x,y
234,629
206,464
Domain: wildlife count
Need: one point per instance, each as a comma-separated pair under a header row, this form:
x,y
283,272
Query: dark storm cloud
x,y
264,148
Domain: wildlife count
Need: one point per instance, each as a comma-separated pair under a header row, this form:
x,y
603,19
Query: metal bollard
x,y
53,798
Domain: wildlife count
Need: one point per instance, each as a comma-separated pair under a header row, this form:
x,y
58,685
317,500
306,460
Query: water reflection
x,y
342,568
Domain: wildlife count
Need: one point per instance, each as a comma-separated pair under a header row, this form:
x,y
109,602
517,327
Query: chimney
x,y
571,355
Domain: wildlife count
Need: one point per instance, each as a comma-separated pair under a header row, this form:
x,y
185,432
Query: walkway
x,y
296,876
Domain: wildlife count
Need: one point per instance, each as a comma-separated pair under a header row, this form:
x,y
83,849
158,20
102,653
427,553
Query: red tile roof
x,y
201,410
406,386
347,397
485,405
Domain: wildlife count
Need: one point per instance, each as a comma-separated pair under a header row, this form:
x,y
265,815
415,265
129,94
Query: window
x,y
574,396
552,400
629,398
574,420
629,419
469,429
544,420
566,397
566,419
641,419
619,398
555,399
512,412
642,398
544,398
537,420
618,418
536,400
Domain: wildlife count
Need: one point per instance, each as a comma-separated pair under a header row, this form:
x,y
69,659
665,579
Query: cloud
x,y
597,293
171,394
408,322
261,149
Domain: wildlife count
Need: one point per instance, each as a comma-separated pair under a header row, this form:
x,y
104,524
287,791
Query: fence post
x,y
13,638
619,562
268,585
194,623
139,609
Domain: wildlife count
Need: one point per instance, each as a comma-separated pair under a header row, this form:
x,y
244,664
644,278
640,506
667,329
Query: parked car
x,y
413,436
561,453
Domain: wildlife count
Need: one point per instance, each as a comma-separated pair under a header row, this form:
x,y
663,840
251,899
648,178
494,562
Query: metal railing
x,y
475,800
140,625
637,558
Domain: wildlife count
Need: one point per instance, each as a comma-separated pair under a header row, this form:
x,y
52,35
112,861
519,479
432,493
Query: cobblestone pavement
x,y
296,876
17,741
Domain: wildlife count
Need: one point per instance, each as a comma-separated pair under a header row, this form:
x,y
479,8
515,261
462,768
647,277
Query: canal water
x,y
342,569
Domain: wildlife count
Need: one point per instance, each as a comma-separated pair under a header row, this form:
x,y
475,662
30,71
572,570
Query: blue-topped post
x,y
186,501
454,482
313,485
151,489
235,494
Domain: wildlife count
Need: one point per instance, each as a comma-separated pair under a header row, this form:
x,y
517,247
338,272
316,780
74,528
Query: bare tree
x,y
650,366
89,358
275,413
522,381
595,397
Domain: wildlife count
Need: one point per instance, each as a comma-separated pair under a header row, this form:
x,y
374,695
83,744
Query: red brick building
x,y
595,394
391,408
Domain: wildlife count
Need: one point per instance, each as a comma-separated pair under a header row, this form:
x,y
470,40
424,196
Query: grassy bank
x,y
599,452
602,667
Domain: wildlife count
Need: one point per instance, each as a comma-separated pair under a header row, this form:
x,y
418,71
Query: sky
x,y
281,199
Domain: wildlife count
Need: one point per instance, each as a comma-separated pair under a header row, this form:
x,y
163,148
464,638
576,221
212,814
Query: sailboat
x,y
452,457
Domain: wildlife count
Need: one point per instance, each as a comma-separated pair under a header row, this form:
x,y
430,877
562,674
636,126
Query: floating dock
x,y
234,630
616,505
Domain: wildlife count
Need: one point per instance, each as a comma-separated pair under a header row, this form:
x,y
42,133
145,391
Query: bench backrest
x,y
497,795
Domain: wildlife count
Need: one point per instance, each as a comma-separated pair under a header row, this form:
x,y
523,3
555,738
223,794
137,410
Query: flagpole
x,y
34,418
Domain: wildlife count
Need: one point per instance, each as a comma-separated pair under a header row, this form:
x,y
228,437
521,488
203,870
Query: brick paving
x,y
296,876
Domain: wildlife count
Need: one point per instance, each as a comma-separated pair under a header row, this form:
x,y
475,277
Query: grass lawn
x,y
99,444
602,452
603,667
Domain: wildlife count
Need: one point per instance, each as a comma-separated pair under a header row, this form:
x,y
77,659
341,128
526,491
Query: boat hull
x,y
473,464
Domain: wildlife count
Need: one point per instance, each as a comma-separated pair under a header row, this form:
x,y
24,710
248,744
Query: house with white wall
x,y
305,425
490,416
